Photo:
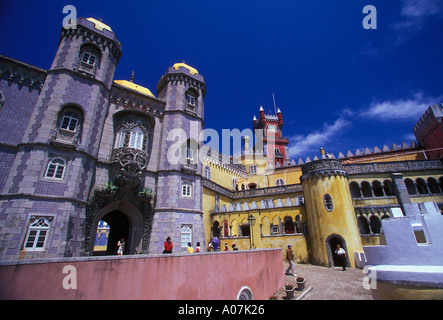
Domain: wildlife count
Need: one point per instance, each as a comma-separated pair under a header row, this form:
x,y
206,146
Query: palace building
x,y
87,160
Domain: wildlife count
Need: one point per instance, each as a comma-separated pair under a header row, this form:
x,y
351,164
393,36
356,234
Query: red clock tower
x,y
275,146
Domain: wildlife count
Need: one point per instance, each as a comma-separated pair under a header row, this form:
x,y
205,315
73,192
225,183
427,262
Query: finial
x,y
132,76
100,19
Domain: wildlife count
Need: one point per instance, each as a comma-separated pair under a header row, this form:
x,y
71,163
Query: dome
x,y
184,65
99,25
135,87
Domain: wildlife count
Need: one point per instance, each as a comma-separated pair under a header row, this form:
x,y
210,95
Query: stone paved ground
x,y
328,283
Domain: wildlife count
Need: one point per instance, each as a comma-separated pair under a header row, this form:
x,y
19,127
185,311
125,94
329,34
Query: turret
x,y
254,122
280,119
262,116
328,201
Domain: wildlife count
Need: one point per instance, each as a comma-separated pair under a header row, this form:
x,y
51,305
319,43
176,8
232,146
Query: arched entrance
x,y
119,227
331,245
125,221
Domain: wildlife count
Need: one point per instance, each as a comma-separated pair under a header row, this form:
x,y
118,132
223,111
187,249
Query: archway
x,y
119,228
331,245
125,221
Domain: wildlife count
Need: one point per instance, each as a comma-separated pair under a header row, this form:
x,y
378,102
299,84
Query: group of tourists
x,y
213,246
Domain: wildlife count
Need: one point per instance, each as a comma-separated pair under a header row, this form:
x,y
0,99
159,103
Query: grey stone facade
x,y
68,131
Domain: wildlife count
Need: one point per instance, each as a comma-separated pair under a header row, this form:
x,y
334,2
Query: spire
x,y
254,119
278,110
261,108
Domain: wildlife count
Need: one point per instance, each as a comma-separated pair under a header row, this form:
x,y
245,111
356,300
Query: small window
x,y
280,182
186,235
328,202
69,122
56,169
37,234
190,99
186,189
89,57
207,172
274,229
253,169
136,138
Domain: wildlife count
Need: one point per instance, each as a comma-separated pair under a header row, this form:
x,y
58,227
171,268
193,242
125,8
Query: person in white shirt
x,y
341,253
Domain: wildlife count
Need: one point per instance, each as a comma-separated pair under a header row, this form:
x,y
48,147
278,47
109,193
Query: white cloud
x,y
400,109
312,142
415,12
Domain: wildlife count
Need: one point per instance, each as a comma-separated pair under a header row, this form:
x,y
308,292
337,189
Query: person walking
x,y
341,253
290,258
168,246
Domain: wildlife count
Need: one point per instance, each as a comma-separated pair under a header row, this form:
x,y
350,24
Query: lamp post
x,y
251,221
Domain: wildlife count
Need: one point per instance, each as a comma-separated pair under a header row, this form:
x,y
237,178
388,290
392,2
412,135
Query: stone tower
x,y
50,178
330,212
178,212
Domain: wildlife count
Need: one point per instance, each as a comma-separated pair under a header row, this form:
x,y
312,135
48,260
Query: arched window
x,y
410,185
421,186
186,189
280,182
136,138
89,58
377,188
366,189
69,124
234,183
120,138
375,224
207,172
56,169
355,190
37,234
363,225
289,225
433,186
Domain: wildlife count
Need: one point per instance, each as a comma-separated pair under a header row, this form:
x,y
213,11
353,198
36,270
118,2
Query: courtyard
x,y
324,283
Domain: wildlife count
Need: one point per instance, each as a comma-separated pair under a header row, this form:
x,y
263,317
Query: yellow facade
x,y
232,194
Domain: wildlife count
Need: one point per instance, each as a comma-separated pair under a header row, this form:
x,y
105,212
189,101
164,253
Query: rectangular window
x,y
253,169
69,123
186,235
190,99
186,189
89,58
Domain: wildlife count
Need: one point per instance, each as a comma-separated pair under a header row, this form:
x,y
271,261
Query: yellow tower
x,y
330,213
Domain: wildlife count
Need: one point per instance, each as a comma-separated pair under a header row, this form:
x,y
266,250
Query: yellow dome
x,y
135,87
99,25
184,65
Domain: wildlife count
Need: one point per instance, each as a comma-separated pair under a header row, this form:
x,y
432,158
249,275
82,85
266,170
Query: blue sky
x,y
338,85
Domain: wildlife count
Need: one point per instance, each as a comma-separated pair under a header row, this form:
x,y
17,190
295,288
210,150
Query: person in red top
x,y
168,245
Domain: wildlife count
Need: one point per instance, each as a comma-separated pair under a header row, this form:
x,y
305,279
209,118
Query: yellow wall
x,y
341,220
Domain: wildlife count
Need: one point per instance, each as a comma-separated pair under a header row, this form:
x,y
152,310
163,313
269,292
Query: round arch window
x,y
245,293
